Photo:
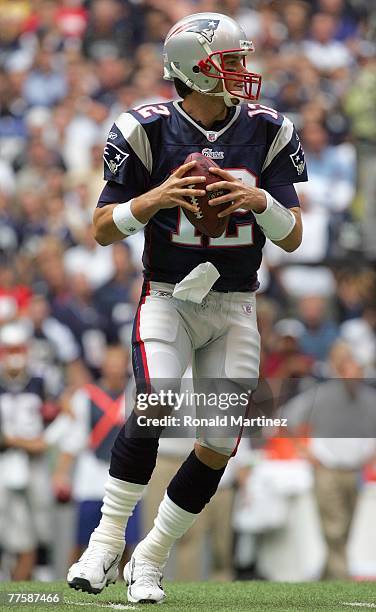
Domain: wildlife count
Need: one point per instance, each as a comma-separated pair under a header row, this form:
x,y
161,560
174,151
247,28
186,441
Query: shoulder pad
x,y
134,135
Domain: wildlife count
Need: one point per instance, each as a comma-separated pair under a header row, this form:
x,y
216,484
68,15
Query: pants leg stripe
x,y
140,363
241,429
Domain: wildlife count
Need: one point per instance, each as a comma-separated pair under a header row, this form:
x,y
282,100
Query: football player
x,y
260,159
24,473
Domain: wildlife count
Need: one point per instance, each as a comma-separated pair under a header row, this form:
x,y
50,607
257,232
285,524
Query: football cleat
x,y
144,582
96,568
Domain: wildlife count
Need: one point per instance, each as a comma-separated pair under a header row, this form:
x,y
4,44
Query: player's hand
x,y
61,487
171,193
176,188
239,194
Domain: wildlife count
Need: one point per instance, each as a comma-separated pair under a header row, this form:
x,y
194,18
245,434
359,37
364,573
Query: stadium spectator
x,y
113,299
49,276
287,360
108,33
54,350
88,326
90,259
340,417
45,84
323,51
97,412
17,293
327,164
25,511
295,16
320,330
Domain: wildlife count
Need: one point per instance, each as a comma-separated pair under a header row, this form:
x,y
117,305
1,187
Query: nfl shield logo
x,y
211,136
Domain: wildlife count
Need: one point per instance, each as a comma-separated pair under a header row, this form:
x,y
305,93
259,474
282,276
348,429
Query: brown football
x,y
206,220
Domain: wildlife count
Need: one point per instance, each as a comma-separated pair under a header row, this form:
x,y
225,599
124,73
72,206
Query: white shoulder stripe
x,y
136,137
282,138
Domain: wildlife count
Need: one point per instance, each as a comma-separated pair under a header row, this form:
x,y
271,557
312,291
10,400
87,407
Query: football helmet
x,y
14,346
194,52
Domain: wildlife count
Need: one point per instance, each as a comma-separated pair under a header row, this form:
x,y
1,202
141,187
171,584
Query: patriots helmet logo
x,y
205,27
298,160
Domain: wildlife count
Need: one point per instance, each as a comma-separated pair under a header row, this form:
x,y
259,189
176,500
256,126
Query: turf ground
x,y
208,597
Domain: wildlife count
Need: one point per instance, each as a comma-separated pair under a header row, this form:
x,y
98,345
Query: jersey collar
x,y
211,135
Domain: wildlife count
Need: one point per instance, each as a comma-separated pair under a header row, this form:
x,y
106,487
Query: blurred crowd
x,y
67,69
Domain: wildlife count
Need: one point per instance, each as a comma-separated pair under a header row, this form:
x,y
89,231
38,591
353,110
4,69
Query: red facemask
x,y
250,81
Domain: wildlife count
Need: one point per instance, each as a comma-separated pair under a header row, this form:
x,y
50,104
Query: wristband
x,y
125,221
276,221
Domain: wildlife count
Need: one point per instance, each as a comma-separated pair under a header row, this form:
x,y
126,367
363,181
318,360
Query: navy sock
x,y
194,484
133,458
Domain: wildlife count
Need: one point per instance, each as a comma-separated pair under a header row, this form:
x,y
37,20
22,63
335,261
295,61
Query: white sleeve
x,y
76,437
63,340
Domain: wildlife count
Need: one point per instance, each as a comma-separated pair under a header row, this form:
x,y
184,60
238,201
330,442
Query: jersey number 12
x,y
186,233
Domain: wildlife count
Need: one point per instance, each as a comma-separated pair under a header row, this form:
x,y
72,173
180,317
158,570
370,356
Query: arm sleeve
x,y
76,438
284,163
127,159
285,195
114,193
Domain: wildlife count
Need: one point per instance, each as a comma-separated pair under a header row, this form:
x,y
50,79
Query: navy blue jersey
x,y
21,406
146,144
88,327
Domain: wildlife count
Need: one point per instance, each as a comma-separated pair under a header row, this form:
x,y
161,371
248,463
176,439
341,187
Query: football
x,y
206,220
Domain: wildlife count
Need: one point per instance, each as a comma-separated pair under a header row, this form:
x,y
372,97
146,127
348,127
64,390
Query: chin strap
x,y
228,98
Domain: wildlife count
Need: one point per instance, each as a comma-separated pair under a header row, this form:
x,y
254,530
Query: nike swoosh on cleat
x,y
109,567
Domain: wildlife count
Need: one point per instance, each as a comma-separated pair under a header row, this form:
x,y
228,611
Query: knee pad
x,y
223,446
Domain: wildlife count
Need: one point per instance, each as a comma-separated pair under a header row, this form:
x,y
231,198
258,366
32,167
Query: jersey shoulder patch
x,y
113,155
127,135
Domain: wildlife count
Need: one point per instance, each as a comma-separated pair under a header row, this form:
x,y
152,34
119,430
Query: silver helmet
x,y
194,52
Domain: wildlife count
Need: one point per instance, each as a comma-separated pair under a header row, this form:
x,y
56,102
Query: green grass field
x,y
222,597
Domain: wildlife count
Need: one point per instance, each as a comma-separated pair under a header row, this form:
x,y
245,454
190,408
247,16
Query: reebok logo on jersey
x,y
114,157
160,293
213,154
298,160
247,308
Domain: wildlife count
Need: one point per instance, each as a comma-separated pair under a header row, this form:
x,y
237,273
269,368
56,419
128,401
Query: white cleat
x,y
96,568
144,582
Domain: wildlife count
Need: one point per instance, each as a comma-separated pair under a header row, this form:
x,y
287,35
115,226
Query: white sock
x,y
171,523
118,504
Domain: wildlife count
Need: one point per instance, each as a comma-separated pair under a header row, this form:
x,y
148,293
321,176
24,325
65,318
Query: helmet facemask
x,y
250,81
